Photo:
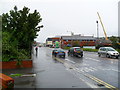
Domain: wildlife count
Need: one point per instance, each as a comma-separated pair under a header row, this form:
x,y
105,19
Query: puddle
x,y
70,68
100,85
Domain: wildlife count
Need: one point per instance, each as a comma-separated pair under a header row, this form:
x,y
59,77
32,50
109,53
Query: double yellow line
x,y
101,82
92,77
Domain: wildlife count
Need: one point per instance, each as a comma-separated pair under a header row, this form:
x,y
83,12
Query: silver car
x,y
108,52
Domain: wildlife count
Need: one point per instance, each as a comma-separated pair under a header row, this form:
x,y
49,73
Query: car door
x,y
104,52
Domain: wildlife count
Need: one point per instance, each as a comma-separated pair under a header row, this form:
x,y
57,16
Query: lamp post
x,y
71,37
97,30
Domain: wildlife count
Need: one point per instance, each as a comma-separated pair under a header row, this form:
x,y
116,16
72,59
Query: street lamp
x,y
97,30
72,33
71,37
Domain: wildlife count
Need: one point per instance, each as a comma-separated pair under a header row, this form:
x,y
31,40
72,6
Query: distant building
x,y
77,40
119,19
51,41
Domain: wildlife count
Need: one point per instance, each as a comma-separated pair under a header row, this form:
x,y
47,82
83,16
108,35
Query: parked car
x,y
58,52
108,52
75,51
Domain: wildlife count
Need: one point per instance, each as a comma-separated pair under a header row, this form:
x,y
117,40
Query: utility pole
x,y
97,30
72,33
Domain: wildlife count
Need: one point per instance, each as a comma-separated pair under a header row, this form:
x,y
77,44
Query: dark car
x,y
58,52
75,51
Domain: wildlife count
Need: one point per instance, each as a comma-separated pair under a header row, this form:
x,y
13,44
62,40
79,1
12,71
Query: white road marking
x,y
109,69
93,59
86,69
69,60
115,70
85,81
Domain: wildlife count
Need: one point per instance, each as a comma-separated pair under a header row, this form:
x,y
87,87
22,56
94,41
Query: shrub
x,y
90,50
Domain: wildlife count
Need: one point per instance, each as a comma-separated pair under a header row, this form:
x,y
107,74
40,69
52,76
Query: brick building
x,y
51,41
77,40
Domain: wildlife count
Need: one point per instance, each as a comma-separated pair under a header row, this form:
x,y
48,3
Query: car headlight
x,y
110,53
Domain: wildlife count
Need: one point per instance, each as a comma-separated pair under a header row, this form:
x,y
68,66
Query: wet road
x,y
90,71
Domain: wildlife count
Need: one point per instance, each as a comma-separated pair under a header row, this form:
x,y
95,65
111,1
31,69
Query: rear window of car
x,y
102,49
77,49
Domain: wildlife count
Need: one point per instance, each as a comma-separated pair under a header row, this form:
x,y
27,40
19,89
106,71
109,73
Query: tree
x,y
115,41
22,27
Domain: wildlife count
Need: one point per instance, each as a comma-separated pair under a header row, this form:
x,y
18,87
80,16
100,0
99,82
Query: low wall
x,y
12,64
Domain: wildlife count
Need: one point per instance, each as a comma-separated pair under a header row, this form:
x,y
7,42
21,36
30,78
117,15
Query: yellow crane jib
x,y
102,26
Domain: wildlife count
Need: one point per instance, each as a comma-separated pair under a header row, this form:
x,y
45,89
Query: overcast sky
x,y
78,16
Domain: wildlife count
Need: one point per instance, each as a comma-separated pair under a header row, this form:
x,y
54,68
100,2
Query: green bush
x,y
90,50
118,50
19,29
66,48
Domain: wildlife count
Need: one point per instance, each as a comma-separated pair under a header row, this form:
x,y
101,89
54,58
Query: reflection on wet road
x,y
95,71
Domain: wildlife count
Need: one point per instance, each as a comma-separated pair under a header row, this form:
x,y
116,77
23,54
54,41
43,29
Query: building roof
x,y
77,37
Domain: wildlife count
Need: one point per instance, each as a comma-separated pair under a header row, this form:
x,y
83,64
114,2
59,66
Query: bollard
x,y
6,81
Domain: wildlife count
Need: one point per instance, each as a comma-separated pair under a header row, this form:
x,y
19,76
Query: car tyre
x,y
68,54
116,57
81,55
99,54
108,56
64,56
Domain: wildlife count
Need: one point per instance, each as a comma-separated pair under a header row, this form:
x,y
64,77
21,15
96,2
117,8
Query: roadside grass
x,y
84,49
118,50
66,48
15,75
90,50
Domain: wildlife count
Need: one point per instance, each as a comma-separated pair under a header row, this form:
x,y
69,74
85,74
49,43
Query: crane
x,y
102,42
106,38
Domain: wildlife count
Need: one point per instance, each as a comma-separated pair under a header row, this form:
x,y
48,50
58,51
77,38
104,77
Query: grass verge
x,y
90,50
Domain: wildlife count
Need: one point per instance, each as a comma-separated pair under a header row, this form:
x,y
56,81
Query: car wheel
x,y
108,56
68,54
116,57
99,54
81,55
55,55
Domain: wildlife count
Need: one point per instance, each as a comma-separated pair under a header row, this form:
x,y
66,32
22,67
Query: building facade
x,y
77,40
51,41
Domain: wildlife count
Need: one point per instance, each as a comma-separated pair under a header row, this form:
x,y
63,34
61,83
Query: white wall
x,y
119,18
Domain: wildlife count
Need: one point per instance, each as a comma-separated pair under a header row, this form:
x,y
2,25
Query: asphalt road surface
x,y
90,71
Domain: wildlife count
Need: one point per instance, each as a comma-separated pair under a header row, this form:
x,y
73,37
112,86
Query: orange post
x,y
6,81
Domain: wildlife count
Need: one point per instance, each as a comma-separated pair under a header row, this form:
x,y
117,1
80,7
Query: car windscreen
x,y
110,49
